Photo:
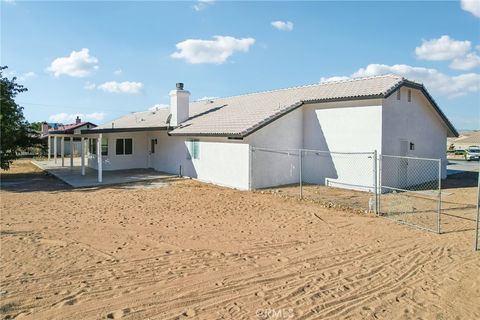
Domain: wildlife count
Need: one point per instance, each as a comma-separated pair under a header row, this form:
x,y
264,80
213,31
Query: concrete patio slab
x,y
73,177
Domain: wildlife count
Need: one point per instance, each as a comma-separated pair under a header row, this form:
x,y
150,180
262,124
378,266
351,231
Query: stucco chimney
x,y
78,120
44,128
179,101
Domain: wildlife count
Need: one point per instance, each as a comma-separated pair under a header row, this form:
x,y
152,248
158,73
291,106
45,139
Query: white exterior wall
x,y
415,122
350,126
221,161
138,158
273,168
338,126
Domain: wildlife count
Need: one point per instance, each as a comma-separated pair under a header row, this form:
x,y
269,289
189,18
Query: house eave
x,y
117,130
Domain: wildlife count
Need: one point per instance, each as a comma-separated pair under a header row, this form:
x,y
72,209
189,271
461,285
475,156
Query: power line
x,y
45,105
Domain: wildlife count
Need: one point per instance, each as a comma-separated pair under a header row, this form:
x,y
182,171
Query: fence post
x,y
477,222
375,180
380,174
439,230
300,172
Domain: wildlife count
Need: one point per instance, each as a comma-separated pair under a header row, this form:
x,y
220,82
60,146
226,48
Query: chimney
x,y
44,128
78,120
179,101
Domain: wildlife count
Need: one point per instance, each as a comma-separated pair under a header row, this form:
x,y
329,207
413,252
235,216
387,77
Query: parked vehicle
x,y
472,153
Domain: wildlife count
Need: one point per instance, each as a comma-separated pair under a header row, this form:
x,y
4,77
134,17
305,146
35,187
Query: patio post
x,y
99,157
55,149
71,152
49,146
82,152
62,150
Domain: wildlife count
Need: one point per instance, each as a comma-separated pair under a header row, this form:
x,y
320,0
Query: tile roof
x,y
144,119
66,127
243,114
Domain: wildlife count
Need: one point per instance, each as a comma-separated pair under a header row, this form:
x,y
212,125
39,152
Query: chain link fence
x,y
410,191
333,179
407,190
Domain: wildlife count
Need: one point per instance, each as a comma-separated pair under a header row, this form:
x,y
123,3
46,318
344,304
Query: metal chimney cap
x,y
179,85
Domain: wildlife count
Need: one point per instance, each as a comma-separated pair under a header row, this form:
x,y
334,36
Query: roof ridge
x,y
391,75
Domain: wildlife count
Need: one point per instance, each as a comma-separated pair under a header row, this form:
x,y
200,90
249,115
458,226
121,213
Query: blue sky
x,y
105,59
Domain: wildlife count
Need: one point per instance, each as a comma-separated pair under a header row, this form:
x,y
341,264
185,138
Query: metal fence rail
x,y
410,191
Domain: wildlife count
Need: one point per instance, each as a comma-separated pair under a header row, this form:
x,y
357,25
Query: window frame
x,y
92,146
123,153
193,149
104,144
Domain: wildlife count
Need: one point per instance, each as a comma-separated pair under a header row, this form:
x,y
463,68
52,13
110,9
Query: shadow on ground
x,y
464,179
31,182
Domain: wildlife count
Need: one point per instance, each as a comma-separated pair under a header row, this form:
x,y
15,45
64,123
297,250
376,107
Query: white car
x,y
472,153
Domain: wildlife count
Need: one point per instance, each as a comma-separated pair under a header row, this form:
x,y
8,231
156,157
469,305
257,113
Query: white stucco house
x,y
211,140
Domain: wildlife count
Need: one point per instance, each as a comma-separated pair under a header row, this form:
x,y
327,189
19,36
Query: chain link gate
x,y
410,191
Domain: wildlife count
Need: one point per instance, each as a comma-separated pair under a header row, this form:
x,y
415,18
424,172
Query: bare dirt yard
x,y
193,250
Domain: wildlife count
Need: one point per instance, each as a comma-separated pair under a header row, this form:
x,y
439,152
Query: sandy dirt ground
x,y
197,251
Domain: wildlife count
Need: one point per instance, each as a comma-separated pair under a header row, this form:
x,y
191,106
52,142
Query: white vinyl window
x,y
193,149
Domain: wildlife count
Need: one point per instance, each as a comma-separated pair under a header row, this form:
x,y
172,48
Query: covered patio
x,y
84,142
72,174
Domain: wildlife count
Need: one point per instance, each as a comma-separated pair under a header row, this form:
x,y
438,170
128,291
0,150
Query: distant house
x,y
67,131
211,140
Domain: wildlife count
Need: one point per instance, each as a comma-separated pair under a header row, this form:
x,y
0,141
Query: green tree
x,y
37,126
15,132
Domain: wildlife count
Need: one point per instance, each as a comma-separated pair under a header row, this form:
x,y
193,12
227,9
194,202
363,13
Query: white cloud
x,y
470,61
335,78
215,51
26,76
157,106
70,117
22,76
472,6
434,80
78,64
90,85
118,72
283,25
95,116
202,4
121,87
443,48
